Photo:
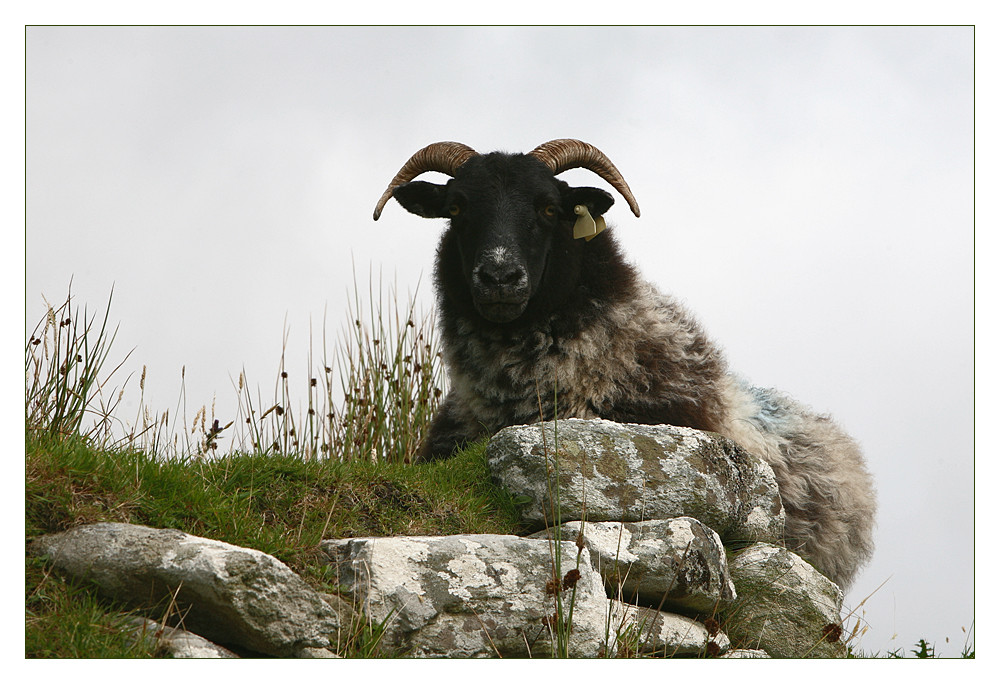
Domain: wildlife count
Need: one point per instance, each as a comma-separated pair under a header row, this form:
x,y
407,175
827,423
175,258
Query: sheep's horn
x,y
563,154
444,157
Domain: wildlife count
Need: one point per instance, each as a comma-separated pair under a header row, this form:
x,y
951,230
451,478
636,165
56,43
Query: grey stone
x,y
785,607
228,594
316,653
745,653
607,471
468,596
677,564
645,631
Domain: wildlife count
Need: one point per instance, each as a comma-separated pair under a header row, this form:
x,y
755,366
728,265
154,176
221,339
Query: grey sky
x,y
807,192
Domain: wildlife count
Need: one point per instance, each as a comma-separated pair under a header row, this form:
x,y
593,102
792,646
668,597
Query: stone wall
x,y
660,541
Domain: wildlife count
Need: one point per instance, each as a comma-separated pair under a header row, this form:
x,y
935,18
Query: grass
x,y
281,504
66,620
63,360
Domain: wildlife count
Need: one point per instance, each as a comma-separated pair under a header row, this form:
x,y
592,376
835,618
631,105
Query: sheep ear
x,y
596,200
421,198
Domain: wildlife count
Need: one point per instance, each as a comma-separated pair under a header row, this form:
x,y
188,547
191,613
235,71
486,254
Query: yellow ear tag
x,y
601,225
585,226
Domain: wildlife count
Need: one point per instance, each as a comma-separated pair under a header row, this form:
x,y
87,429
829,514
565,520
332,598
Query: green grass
x,y
66,620
63,360
280,504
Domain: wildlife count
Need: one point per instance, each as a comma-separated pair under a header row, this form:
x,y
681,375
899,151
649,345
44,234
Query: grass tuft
x,y
64,356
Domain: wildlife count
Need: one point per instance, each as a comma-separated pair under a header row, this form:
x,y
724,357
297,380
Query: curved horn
x,y
563,154
445,157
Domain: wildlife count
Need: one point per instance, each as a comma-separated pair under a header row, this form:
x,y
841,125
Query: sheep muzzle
x,y
500,287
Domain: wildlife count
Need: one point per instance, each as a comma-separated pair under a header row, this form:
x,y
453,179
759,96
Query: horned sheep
x,y
542,317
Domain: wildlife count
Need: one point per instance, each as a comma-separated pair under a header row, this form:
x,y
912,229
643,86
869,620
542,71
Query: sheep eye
x,y
454,209
550,210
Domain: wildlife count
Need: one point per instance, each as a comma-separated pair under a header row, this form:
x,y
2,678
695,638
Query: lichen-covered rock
x,y
785,607
228,594
745,653
677,564
467,596
645,631
606,471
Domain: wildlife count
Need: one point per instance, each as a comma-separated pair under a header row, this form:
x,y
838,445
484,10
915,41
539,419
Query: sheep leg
x,y
452,427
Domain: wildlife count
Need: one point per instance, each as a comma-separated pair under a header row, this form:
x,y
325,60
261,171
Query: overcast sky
x,y
806,191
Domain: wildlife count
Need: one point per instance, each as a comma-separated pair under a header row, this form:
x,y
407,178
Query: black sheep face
x,y
508,213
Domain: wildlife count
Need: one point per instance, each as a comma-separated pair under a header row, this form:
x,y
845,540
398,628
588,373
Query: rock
x,y
175,642
644,631
745,653
677,564
227,594
785,606
316,653
467,596
629,473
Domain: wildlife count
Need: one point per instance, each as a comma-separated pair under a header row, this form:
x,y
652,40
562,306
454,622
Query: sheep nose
x,y
501,276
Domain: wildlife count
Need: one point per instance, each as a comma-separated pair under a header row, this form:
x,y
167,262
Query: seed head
x,y
832,632
712,626
571,578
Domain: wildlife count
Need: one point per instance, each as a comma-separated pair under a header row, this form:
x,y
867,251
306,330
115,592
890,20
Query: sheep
x,y
539,324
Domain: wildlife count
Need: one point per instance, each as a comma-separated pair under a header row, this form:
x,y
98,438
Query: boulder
x,y
601,471
466,596
785,606
228,594
677,564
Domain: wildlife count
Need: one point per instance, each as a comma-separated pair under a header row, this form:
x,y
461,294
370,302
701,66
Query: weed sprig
x,y
63,359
